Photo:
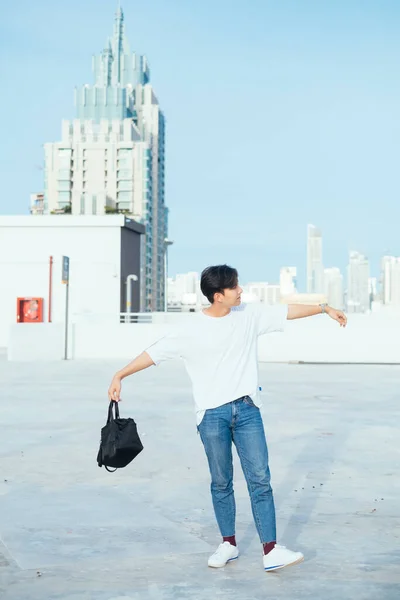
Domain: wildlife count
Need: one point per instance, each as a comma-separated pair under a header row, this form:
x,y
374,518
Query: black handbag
x,y
120,442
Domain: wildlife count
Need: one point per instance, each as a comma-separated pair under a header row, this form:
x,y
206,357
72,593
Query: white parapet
x,y
372,338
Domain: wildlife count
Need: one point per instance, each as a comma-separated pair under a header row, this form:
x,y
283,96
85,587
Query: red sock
x,y
231,539
268,546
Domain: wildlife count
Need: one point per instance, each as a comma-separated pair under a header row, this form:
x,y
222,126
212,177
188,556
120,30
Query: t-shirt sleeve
x,y
166,348
271,318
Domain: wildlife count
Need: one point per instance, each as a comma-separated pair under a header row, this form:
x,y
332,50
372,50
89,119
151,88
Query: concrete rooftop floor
x,y
72,531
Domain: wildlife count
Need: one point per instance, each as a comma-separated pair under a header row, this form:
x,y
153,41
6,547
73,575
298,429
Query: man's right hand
x,y
143,361
114,391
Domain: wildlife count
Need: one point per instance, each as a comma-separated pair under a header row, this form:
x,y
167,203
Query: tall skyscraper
x,y
391,280
358,295
333,287
315,269
111,156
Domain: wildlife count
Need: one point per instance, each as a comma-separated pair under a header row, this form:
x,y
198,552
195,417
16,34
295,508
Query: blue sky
x,y
279,113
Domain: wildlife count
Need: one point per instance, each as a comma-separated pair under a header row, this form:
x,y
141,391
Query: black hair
x,y
217,279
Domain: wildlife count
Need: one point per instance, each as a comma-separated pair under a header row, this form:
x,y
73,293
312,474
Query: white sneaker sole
x,y
278,567
224,565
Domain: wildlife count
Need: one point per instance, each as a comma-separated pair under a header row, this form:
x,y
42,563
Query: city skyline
x,y
355,290
319,144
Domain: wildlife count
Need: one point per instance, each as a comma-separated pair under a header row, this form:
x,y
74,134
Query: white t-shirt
x,y
220,353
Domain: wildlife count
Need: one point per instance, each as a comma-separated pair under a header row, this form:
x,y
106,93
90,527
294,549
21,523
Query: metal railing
x,y
136,317
155,318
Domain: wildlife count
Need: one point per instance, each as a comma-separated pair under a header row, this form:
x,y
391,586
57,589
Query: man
x,y
219,349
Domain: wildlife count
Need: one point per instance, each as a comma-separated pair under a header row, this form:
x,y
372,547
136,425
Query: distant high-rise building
x,y
184,290
333,287
391,280
315,269
187,283
111,157
287,281
37,204
358,294
373,288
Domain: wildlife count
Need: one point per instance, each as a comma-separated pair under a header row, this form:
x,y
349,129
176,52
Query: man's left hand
x,y
337,315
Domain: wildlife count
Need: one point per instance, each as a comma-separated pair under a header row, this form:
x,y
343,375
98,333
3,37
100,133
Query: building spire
x,y
106,67
119,43
119,12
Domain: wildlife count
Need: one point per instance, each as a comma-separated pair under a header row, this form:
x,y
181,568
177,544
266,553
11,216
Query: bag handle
x,y
113,404
110,411
109,470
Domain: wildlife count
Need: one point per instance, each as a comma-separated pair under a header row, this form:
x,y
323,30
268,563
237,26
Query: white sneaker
x,y
223,554
281,557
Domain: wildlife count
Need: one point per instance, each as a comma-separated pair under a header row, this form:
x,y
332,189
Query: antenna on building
x,y
119,12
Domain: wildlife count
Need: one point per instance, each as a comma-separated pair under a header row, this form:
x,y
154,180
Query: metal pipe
x,y
66,321
129,291
50,287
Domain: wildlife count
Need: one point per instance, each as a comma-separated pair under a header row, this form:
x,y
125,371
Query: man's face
x,y
230,297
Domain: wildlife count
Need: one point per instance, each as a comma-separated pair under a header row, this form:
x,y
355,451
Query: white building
x,y
104,254
262,291
333,287
96,168
315,269
287,281
187,283
358,294
37,204
391,280
184,292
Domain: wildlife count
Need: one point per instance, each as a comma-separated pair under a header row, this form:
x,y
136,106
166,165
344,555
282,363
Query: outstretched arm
x,y
141,362
299,311
165,348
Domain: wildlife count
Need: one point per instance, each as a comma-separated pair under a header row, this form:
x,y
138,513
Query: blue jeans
x,y
239,422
